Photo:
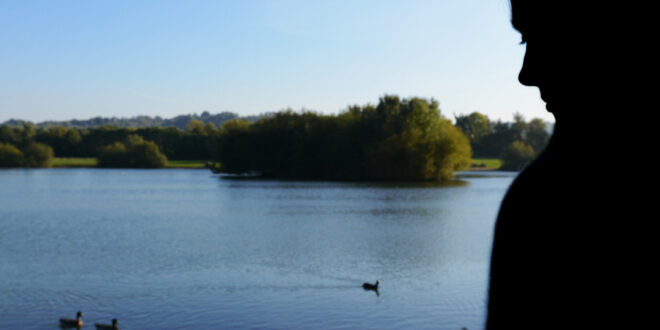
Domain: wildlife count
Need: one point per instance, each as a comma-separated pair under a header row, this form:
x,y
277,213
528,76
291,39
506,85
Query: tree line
x,y
180,121
129,147
516,143
405,139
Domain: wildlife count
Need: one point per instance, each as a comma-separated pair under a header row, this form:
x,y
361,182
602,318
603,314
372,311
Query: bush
x,y
113,155
38,155
517,155
136,153
10,156
146,155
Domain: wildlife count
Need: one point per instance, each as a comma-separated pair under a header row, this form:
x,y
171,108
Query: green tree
x,y
146,155
233,148
196,127
517,155
490,139
9,135
417,142
210,129
134,152
64,141
113,155
537,135
38,155
132,140
10,156
28,133
475,125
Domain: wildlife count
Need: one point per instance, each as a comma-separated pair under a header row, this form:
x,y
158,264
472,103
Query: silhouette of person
x,y
572,242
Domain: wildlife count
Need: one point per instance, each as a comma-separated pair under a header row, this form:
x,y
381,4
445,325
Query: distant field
x,y
186,164
74,162
486,163
92,162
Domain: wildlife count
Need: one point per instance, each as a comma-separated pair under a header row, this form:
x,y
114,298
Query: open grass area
x,y
92,162
186,164
486,163
74,162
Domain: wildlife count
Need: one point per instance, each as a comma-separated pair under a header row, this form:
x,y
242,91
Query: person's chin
x,y
549,107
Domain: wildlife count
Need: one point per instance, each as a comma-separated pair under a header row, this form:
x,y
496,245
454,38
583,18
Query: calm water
x,y
187,249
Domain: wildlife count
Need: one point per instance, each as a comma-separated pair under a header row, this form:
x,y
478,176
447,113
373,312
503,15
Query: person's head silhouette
x,y
572,56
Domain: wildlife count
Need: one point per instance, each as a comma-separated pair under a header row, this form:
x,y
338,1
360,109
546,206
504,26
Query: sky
x,y
67,59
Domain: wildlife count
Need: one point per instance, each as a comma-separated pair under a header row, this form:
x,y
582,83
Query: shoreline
x,y
75,162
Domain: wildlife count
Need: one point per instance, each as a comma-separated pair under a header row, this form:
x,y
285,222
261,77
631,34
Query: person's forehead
x,y
551,17
531,15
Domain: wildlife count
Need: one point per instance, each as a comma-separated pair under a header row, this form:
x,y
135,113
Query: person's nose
x,y
528,75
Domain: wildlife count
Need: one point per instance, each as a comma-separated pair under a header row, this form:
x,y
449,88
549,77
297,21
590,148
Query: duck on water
x,y
100,326
371,287
72,323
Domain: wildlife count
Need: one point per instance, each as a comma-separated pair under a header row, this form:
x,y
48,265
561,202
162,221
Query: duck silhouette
x,y
371,287
72,323
107,326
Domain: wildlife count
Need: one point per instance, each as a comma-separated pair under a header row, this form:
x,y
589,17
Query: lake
x,y
189,249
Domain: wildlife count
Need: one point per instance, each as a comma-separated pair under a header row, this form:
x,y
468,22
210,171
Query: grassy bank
x,y
186,164
486,164
92,162
75,162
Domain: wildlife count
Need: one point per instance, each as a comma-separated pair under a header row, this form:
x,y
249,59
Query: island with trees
x,y
397,139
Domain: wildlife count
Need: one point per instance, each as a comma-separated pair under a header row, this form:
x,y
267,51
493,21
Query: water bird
x,y
372,287
107,326
72,323
369,286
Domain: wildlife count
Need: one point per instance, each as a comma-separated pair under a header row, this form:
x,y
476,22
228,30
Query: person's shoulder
x,y
536,176
533,185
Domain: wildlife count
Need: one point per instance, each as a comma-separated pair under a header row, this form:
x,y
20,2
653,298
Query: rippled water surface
x,y
187,249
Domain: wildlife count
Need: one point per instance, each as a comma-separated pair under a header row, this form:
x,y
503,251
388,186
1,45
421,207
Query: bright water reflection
x,y
186,249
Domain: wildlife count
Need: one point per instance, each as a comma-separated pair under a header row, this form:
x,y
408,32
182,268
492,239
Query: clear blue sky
x,y
66,59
